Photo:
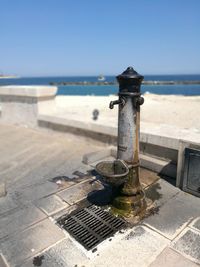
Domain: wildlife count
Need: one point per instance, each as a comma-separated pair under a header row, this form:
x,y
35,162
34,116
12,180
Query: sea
x,y
104,90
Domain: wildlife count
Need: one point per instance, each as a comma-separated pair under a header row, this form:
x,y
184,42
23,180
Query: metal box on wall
x,y
191,176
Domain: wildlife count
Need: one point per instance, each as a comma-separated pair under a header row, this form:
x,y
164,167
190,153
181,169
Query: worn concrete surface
x,y
19,247
46,179
63,254
188,244
175,215
170,258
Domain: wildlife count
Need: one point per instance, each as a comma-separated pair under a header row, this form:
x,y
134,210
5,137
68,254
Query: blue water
x,y
111,89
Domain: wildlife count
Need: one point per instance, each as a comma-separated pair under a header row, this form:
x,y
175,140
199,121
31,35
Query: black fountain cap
x,y
130,73
130,80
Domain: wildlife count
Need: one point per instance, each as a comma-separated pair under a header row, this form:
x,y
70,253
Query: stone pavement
x,y
45,179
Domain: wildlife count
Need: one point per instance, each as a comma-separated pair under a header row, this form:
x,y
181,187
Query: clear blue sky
x,y
91,37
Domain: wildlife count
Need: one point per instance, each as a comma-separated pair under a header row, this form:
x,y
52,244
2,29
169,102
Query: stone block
x,y
23,245
63,124
28,91
158,165
22,104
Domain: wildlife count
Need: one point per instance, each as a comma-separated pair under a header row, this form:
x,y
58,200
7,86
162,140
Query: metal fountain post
x,y
131,200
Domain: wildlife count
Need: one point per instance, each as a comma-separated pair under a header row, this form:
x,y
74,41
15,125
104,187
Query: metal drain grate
x,y
91,225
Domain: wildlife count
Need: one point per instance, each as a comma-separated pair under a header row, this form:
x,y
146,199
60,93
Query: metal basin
x,y
113,172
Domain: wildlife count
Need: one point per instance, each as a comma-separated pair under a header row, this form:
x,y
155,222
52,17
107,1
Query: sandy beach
x,y
178,111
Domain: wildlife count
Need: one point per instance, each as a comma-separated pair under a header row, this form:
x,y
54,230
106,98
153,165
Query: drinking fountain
x,y
123,174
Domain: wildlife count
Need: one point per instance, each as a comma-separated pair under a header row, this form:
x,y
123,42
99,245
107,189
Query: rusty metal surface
x,y
126,130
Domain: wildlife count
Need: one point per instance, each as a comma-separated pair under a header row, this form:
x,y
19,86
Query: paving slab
x,y
80,191
161,191
174,215
34,192
65,212
170,258
147,177
6,204
32,162
138,248
63,254
23,245
13,150
188,244
51,204
18,219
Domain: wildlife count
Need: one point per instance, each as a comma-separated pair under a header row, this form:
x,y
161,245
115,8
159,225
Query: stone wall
x,y
22,104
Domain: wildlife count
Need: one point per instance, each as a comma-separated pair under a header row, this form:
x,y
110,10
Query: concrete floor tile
x,y
80,191
174,216
19,247
6,204
63,254
64,212
51,204
33,192
170,258
138,248
18,219
161,191
188,244
148,177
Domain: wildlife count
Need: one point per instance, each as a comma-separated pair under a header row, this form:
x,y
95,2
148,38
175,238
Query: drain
x,y
91,225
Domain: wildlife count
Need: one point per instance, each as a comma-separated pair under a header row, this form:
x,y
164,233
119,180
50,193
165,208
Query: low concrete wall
x,y
159,147
22,104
